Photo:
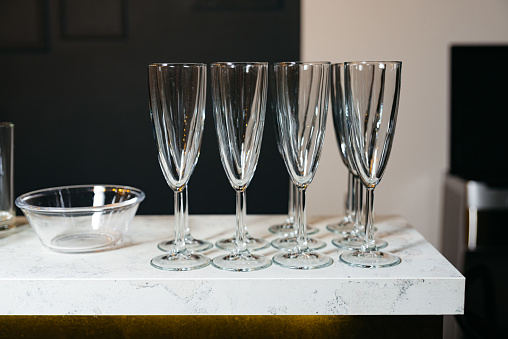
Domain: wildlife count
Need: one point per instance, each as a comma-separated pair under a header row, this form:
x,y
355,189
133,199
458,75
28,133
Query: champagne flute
x,y
239,92
301,97
193,244
347,224
177,111
355,238
286,229
372,92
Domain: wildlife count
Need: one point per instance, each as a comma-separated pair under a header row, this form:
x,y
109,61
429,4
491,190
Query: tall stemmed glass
x,y
355,238
372,98
347,224
302,92
239,92
177,110
193,244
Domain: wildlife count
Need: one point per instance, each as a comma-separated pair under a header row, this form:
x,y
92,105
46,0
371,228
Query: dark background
x,y
479,148
73,80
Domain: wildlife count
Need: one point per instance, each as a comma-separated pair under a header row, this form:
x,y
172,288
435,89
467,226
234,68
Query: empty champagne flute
x,y
192,244
239,92
301,98
372,92
347,224
177,110
353,239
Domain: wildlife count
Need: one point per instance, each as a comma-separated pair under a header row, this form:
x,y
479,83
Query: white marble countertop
x,y
37,281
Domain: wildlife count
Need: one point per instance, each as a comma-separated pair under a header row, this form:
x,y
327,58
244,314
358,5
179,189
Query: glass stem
x,y
291,204
358,206
350,196
369,243
186,212
300,221
241,214
179,221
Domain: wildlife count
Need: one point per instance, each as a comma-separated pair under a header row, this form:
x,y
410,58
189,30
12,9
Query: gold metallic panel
x,y
181,327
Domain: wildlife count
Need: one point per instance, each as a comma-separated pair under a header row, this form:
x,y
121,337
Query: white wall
x,y
420,34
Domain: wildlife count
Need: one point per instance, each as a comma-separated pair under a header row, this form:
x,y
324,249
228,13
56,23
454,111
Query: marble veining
x,y
35,280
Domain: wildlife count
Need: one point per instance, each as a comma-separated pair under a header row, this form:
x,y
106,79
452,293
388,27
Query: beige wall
x,y
419,33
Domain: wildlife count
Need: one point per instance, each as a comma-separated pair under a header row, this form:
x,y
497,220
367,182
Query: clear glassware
x,y
372,92
352,235
7,208
301,98
192,244
287,229
81,218
347,224
239,92
177,111
350,222
253,244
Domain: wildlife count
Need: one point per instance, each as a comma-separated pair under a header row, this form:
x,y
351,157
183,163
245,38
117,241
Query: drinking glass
x,y
353,239
7,208
177,110
347,224
192,244
239,92
301,99
372,98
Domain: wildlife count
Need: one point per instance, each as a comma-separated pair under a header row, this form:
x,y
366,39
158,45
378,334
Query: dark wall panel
x,y
81,106
478,113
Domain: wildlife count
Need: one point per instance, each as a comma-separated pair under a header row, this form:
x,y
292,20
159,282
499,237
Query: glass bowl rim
x,y
139,196
238,63
295,63
372,62
175,64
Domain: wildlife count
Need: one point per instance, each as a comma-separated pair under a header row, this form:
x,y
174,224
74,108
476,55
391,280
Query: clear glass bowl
x,y
84,218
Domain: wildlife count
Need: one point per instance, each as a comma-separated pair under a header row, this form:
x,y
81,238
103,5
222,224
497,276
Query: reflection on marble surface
x,y
35,280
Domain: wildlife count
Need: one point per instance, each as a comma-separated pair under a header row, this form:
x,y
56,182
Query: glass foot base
x,y
84,242
369,259
180,261
351,242
287,229
289,244
253,244
192,245
345,226
306,260
241,262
